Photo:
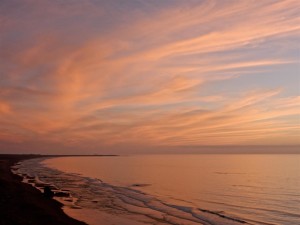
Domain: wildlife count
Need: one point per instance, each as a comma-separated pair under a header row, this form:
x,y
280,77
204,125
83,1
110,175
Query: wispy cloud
x,y
169,75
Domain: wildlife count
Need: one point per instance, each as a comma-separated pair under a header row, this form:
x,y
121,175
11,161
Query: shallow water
x,y
176,189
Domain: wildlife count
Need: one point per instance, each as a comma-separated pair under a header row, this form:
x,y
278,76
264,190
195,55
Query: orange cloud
x,y
156,81
4,108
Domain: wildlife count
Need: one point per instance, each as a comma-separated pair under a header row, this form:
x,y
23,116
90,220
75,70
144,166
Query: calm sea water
x,y
176,189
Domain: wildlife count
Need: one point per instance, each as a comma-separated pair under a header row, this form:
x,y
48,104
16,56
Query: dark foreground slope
x,y
21,204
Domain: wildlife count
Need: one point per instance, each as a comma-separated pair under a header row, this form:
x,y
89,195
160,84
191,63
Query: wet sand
x,y
22,204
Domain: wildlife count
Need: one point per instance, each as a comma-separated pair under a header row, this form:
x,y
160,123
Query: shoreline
x,y
22,204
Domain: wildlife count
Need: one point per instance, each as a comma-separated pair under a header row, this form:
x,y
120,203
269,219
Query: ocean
x,y
174,189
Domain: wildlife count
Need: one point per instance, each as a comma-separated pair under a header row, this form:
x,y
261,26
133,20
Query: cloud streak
x,y
190,73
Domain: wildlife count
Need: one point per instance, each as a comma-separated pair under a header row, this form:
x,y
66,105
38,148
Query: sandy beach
x,y
21,204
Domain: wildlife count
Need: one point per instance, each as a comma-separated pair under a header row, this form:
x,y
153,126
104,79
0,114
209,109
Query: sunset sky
x,y
86,76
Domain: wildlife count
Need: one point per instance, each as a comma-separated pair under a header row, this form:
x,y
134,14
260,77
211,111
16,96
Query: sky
x,y
87,76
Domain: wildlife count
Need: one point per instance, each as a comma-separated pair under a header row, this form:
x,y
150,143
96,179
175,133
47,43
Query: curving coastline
x,y
22,204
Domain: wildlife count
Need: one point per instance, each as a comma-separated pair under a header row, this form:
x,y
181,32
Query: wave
x,y
91,193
